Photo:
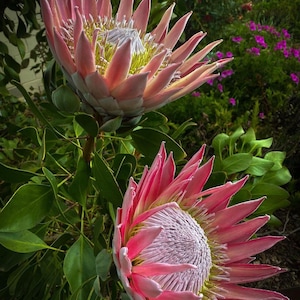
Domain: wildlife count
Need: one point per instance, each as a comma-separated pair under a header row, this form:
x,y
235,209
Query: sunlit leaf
x,y
219,142
22,241
279,177
259,166
277,157
236,163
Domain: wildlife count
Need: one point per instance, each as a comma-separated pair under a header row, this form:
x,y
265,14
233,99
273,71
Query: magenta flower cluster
x,y
265,39
224,73
281,45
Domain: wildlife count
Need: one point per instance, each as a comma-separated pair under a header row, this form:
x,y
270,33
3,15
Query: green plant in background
x,y
210,16
239,154
277,13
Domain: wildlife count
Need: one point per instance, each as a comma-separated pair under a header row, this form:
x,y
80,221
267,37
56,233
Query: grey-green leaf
x,y
103,264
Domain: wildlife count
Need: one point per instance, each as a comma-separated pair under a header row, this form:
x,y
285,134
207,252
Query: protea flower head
x,y
174,240
116,67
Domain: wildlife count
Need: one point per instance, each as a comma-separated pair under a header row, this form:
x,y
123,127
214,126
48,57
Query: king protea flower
x,y
116,67
174,240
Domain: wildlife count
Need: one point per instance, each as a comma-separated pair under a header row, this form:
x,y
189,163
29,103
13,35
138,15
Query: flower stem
x,y
88,148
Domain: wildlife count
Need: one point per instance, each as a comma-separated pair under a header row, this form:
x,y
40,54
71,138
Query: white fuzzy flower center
x,y
182,240
119,36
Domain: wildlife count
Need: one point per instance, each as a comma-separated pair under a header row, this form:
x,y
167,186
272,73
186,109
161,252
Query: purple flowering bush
x,y
265,83
266,67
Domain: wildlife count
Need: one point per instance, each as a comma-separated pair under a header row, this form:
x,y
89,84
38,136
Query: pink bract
x,y
175,240
116,67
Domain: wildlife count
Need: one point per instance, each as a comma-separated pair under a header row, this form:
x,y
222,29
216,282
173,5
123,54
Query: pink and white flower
x,y
116,67
175,240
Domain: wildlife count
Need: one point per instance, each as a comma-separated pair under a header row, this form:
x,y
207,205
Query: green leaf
x,y
112,125
26,208
249,136
21,47
153,119
276,197
12,63
236,163
277,157
269,206
234,137
79,268
148,141
14,175
216,178
37,112
3,48
22,241
279,177
103,264
21,30
11,73
273,192
65,99
88,123
181,129
79,186
122,159
106,182
259,166
10,259
241,196
52,180
258,144
124,297
274,221
219,142
31,133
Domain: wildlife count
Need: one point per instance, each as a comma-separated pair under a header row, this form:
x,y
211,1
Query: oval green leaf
x,y
219,142
22,241
277,157
26,208
79,268
279,177
103,264
259,166
88,123
236,163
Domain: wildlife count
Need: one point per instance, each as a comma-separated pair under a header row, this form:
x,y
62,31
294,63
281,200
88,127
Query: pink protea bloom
x,y
116,67
174,240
